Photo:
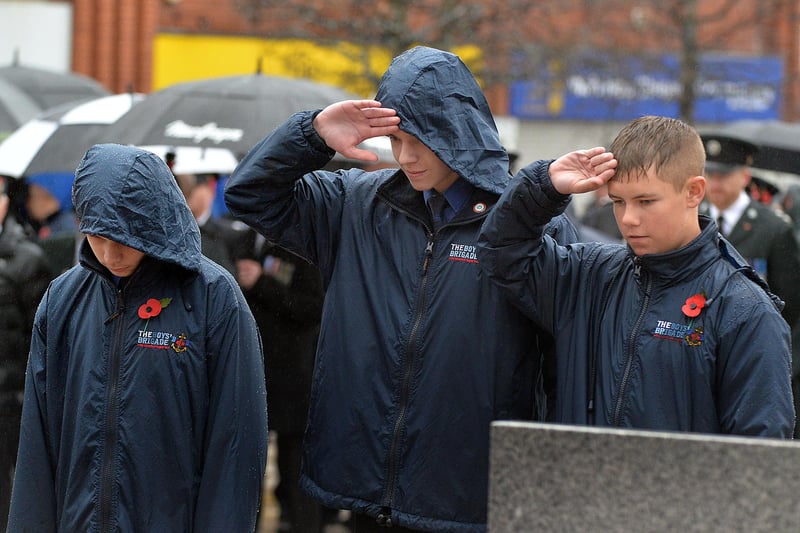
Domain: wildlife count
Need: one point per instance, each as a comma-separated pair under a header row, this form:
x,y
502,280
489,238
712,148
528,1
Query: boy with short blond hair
x,y
672,331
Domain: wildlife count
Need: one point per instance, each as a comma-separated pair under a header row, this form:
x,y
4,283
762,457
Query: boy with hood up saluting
x,y
144,407
418,353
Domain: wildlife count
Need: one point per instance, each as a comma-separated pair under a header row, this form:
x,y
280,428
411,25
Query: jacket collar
x,y
151,271
399,193
687,262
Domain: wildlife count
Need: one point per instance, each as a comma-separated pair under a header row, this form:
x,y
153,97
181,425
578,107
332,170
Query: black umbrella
x,y
49,88
54,142
778,142
43,89
16,108
232,112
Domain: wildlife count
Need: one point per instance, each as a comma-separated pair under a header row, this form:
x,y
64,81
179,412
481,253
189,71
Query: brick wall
x,y
114,38
113,41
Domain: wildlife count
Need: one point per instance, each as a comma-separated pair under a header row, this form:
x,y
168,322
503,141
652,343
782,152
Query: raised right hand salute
x,y
582,170
344,125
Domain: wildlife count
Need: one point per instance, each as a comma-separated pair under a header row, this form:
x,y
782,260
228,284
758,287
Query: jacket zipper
x,y
592,389
109,449
394,451
617,420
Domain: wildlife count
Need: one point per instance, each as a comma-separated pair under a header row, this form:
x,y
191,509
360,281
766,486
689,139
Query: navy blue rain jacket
x,y
133,423
628,353
418,352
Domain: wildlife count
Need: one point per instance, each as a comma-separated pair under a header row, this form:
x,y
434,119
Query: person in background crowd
x,y
285,295
48,210
765,239
49,205
24,275
790,204
216,234
671,332
599,215
763,191
145,406
418,353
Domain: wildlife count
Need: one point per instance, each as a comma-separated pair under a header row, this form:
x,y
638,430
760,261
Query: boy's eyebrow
x,y
637,197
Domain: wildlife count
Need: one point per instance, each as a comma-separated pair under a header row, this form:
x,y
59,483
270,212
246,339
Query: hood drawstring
x,y
184,290
750,273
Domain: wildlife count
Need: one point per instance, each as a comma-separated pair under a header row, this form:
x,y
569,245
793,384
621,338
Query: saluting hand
x,y
582,170
344,125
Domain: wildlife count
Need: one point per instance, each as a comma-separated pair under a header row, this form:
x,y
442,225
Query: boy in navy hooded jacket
x,y
144,407
418,352
672,331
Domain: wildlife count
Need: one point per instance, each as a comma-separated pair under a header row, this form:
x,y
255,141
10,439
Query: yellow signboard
x,y
355,68
178,58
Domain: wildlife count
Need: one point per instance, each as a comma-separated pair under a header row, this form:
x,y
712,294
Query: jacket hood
x,y
129,195
440,103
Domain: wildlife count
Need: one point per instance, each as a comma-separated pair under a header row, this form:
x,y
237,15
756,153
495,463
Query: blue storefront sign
x,y
602,88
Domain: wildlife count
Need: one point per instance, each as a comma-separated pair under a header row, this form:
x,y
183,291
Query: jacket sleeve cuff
x,y
538,175
311,135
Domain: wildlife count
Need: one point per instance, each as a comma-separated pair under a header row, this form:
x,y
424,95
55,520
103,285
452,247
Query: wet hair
x,y
670,147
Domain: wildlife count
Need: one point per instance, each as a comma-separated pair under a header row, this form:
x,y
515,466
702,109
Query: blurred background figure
x,y
216,233
790,204
763,191
599,215
48,207
24,275
762,236
285,295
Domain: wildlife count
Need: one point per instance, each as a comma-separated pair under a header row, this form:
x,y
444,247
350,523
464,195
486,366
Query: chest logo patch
x,y
462,252
161,340
690,333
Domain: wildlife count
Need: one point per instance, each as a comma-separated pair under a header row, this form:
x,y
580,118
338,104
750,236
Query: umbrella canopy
x,y
47,88
196,159
232,112
55,141
778,142
16,108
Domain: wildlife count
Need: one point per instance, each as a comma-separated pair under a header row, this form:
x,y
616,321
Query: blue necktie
x,y
437,204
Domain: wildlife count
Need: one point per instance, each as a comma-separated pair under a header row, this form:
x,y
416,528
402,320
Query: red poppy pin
x,y
152,308
694,304
692,308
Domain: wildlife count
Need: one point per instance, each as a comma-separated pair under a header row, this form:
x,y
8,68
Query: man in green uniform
x,y
756,230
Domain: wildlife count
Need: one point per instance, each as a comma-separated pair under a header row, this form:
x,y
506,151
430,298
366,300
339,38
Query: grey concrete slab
x,y
547,477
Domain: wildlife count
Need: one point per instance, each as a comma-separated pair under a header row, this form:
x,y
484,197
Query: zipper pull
x,y
428,256
120,308
384,518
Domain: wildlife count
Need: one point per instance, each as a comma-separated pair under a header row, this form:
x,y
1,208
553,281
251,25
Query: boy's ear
x,y
695,191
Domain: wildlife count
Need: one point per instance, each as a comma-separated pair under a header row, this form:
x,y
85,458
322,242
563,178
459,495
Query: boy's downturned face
x,y
421,166
652,215
119,259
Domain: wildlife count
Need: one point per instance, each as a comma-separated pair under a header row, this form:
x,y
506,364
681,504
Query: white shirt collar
x,y
731,215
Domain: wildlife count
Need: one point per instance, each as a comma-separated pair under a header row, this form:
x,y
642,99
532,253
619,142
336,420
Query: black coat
x,y
287,308
767,242
24,276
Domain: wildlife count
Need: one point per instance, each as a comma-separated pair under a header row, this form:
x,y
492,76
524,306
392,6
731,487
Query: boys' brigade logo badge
x,y
179,343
